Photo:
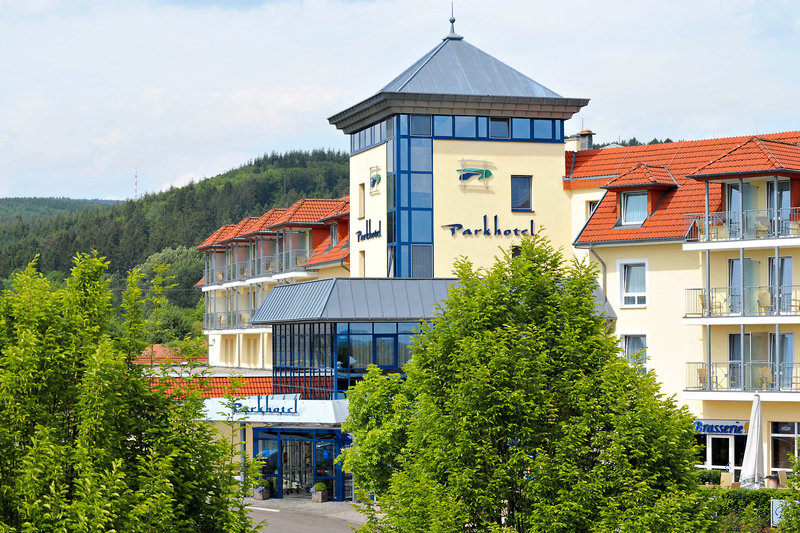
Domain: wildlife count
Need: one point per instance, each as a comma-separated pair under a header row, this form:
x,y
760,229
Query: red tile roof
x,y
264,221
590,168
215,237
755,157
342,210
307,211
218,387
643,176
324,253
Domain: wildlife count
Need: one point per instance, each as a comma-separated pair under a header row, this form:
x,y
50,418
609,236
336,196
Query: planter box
x,y
261,495
319,497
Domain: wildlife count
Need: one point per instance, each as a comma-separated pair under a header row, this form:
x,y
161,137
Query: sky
x,y
109,98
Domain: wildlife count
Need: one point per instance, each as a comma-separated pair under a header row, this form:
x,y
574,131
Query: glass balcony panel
x,y
749,224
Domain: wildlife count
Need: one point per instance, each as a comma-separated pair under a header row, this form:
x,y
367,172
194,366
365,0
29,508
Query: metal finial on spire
x,y
453,35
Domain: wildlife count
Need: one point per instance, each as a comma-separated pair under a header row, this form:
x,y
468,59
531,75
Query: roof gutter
x,y
602,268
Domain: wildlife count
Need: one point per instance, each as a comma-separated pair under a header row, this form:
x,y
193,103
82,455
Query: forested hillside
x,y
27,208
128,233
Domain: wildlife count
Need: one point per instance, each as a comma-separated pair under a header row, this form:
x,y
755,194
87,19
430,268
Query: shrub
x,y
709,477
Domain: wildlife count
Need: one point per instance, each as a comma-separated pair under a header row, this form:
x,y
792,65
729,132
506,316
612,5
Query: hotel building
x,y
461,155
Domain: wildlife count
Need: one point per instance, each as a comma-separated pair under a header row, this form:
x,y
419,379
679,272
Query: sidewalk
x,y
336,510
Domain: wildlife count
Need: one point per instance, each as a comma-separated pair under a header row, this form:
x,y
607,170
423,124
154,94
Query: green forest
x,y
164,227
27,208
128,233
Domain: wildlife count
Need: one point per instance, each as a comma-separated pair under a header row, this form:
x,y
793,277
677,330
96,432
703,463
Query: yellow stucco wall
x,y
671,343
579,214
455,204
374,212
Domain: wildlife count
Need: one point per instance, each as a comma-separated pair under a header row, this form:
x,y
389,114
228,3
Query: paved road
x,y
289,522
301,516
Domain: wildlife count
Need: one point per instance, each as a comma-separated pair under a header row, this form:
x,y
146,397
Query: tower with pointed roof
x,y
449,159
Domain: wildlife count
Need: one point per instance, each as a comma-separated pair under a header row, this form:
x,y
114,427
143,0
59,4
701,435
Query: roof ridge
x,y
623,159
432,53
764,148
680,145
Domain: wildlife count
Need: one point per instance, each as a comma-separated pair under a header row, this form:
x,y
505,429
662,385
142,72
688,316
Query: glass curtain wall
x,y
322,360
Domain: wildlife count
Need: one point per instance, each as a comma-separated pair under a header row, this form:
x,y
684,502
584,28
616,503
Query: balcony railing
x,y
750,224
228,319
749,301
739,376
290,261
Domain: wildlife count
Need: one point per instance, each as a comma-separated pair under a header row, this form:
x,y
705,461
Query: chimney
x,y
586,139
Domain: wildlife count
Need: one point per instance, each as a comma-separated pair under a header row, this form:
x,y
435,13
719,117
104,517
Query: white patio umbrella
x,y
752,476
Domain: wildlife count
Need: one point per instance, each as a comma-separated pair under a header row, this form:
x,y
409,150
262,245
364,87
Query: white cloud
x,y
95,89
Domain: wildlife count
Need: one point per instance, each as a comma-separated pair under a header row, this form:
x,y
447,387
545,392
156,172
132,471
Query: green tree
x,y
90,442
518,414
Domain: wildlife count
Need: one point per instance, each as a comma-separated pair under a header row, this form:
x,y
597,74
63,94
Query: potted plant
x,y
319,493
261,492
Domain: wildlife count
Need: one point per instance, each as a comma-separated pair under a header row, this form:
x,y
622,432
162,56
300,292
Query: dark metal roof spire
x,y
453,35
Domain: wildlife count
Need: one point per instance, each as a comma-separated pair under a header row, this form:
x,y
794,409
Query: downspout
x,y
602,268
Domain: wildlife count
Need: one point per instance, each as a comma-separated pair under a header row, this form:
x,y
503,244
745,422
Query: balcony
x,y
260,267
228,320
737,376
743,225
761,301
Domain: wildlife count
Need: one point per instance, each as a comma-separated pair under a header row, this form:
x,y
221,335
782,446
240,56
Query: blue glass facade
x,y
409,174
322,360
294,459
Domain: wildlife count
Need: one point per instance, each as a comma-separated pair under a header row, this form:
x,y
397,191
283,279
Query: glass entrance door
x,y
297,466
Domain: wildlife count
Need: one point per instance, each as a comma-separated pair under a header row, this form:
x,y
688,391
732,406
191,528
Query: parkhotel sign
x,y
489,230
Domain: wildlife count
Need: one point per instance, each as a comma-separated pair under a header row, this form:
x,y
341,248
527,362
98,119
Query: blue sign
x,y
239,407
720,427
486,231
368,233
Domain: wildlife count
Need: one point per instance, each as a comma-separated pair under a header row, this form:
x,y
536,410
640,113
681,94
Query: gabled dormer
x,y
638,192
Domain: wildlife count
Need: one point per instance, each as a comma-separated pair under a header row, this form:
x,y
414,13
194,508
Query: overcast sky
x,y
93,92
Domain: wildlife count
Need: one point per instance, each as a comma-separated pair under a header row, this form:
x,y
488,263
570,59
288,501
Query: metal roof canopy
x,y
456,78
353,300
366,300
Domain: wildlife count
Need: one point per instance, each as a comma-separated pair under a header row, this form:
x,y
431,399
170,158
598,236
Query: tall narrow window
x,y
591,205
334,234
634,207
634,284
361,199
521,193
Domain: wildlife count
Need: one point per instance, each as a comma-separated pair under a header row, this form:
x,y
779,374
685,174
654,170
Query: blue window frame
x,y
498,128
465,127
521,195
521,128
421,125
442,126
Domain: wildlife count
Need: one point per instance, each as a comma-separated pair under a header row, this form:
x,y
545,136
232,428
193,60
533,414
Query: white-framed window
x,y
334,234
634,207
591,205
634,348
633,282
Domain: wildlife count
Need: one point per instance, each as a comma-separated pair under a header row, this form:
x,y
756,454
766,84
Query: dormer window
x,y
634,207
334,234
